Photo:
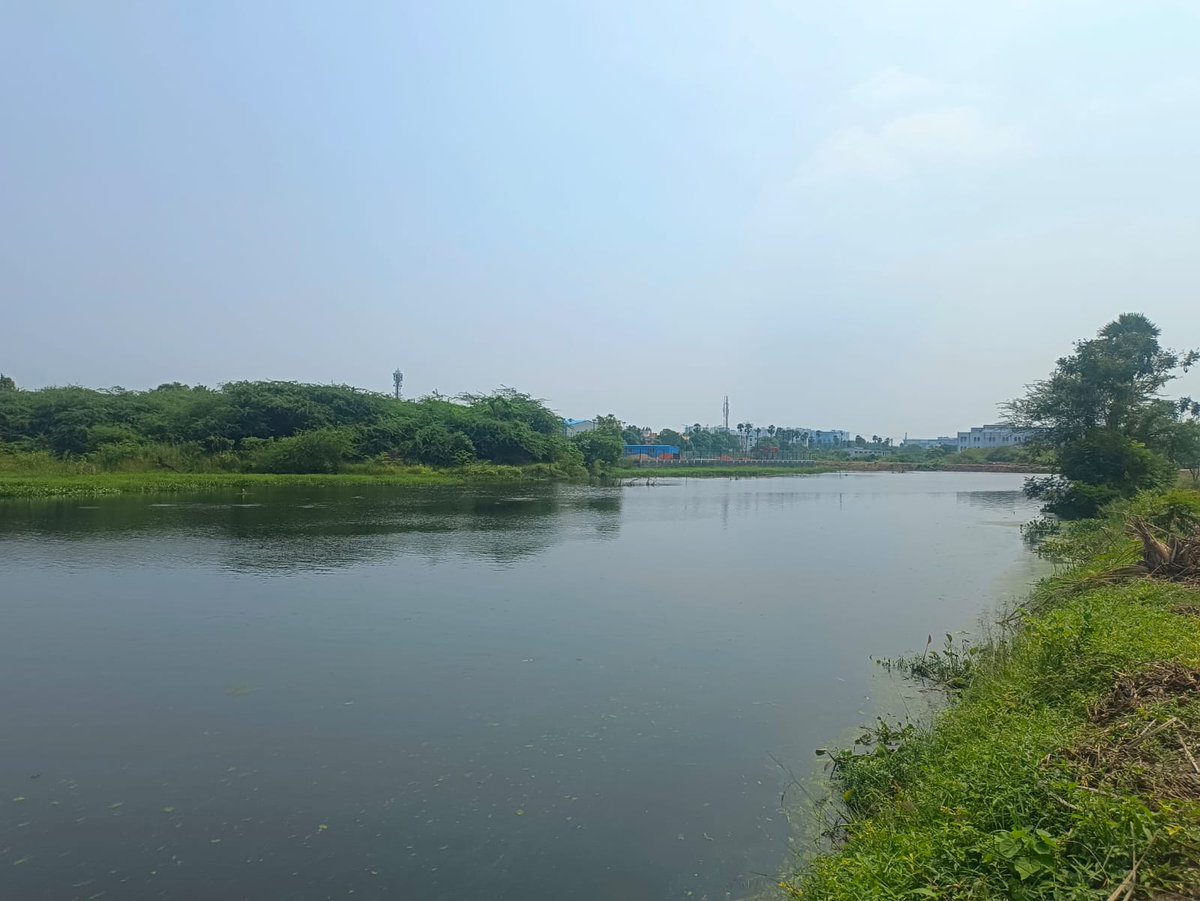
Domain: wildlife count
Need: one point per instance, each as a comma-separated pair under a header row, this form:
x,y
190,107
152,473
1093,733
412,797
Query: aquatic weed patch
x,y
100,484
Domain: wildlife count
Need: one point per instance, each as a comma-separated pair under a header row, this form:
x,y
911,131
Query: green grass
x,y
1019,790
68,484
735,470
731,471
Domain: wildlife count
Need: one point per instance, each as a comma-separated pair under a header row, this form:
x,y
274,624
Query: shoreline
x,y
15,485
19,485
684,469
1065,760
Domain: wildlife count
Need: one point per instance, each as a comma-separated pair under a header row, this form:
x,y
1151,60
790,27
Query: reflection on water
x,y
527,694
282,530
1006,501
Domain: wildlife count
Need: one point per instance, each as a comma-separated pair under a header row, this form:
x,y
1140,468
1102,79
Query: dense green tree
x,y
603,445
609,422
1110,382
247,423
670,436
316,451
437,445
1101,414
6,383
1185,447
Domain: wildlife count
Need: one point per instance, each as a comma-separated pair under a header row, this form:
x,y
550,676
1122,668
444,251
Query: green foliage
x,y
951,668
672,437
1097,469
1079,501
1110,382
437,445
1101,412
1184,447
59,478
1009,454
279,427
314,451
1103,457
718,443
718,471
600,448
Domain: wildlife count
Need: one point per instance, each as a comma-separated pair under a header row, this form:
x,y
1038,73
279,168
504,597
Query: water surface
x,y
535,693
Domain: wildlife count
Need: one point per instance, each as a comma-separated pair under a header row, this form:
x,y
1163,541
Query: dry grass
x,y
1145,737
1175,558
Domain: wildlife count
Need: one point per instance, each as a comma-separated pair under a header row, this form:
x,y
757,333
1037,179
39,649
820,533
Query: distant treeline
x,y
286,427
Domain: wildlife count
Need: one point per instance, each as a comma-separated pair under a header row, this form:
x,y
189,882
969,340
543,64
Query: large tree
x,y
1102,414
670,436
603,445
1110,382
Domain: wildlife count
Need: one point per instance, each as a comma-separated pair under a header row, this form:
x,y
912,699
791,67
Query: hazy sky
x,y
878,216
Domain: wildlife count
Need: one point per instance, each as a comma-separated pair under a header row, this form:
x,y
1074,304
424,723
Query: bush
x,y
1080,500
599,448
1111,459
1097,470
316,451
436,445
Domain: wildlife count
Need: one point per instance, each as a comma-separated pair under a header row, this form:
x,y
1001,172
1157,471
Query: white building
x,y
577,426
830,438
940,441
986,437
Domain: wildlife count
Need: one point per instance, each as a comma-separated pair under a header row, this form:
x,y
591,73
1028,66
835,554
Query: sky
x,y
886,217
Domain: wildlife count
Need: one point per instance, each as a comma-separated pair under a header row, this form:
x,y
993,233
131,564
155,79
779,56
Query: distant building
x,y
651,452
986,437
578,426
832,438
853,452
942,441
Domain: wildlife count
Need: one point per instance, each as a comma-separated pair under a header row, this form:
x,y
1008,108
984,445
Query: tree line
x,y
275,426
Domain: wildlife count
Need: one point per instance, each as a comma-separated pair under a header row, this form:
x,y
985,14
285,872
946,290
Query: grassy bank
x,y
703,472
25,485
733,470
1067,767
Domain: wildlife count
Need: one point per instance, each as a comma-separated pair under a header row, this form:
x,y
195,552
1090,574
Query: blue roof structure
x,y
651,450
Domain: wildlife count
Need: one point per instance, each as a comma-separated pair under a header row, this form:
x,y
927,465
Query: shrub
x,y
315,451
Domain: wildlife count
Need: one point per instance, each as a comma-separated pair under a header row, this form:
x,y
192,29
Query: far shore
x,y
683,469
49,485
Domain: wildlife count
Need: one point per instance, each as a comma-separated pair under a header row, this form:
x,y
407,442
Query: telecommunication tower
x,y
725,412
398,382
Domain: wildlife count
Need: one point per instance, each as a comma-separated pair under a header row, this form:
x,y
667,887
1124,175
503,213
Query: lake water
x,y
521,693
